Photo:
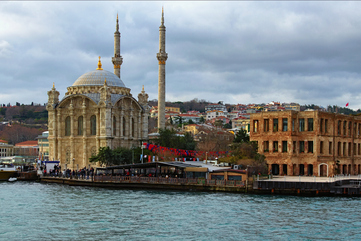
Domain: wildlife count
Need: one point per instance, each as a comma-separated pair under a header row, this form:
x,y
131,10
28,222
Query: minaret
x,y
117,59
162,57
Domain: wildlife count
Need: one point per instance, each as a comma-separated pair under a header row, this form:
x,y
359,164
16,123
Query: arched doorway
x,y
323,170
275,169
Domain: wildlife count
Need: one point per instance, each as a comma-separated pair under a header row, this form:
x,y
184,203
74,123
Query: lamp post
x,y
206,156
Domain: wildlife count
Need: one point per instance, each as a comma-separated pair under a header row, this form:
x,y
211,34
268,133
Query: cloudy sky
x,y
236,52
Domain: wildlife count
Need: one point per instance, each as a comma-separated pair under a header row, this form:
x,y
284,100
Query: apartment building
x,y
313,143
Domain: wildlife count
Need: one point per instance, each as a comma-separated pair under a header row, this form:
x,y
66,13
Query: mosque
x,y
98,110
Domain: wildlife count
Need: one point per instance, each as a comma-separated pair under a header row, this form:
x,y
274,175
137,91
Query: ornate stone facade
x,y
96,111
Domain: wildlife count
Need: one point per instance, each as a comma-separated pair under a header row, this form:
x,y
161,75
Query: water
x,y
35,211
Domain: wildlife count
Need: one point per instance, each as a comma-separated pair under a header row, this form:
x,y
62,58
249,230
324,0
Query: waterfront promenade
x,y
310,186
134,182
285,185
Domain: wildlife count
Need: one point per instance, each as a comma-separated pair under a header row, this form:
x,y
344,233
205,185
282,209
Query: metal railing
x,y
173,181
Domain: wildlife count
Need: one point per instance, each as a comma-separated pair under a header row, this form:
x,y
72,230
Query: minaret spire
x,y
162,56
117,59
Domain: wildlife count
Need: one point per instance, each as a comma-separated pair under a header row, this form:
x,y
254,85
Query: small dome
x,y
97,77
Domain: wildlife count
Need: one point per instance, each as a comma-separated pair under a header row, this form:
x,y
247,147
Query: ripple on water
x,y
35,211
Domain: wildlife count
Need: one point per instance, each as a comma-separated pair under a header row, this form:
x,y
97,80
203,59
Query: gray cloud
x,y
238,52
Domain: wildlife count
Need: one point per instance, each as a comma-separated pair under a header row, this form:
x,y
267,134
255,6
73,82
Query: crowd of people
x,y
83,173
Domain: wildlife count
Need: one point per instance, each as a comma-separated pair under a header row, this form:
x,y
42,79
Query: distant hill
x,y
27,114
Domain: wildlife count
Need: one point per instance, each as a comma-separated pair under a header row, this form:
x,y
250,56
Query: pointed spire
x,y
53,85
99,65
162,21
105,81
117,26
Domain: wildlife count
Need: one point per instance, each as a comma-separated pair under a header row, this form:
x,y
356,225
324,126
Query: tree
x,y
202,120
241,137
105,156
170,139
246,155
179,119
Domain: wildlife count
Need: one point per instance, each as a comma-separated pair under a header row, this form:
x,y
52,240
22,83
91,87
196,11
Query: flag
x,y
346,104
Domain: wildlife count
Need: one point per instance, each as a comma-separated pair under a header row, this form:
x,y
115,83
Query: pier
x,y
134,182
345,185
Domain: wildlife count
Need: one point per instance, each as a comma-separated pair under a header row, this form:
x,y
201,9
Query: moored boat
x,y
7,171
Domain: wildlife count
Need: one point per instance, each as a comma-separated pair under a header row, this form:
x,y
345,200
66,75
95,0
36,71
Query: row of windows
x,y
93,122
343,127
302,147
93,129
275,126
343,148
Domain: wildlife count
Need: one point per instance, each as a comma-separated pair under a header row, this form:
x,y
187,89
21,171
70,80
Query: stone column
x,y
60,147
139,134
72,149
98,128
121,124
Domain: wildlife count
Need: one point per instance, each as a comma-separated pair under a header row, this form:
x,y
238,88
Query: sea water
x,y
36,211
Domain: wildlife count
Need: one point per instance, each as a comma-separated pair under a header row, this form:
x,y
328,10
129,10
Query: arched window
x,y
114,126
124,126
80,125
93,125
67,126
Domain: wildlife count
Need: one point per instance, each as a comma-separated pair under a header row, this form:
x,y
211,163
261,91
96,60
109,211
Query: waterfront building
x,y
311,143
29,149
43,144
98,110
6,149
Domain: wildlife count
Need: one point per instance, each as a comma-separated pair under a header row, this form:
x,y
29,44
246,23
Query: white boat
x,y
12,179
7,171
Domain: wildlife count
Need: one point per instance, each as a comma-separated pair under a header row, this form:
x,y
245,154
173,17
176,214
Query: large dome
x,y
97,77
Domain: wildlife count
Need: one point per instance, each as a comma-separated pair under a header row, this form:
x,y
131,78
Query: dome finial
x,y
99,65
143,88
53,85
